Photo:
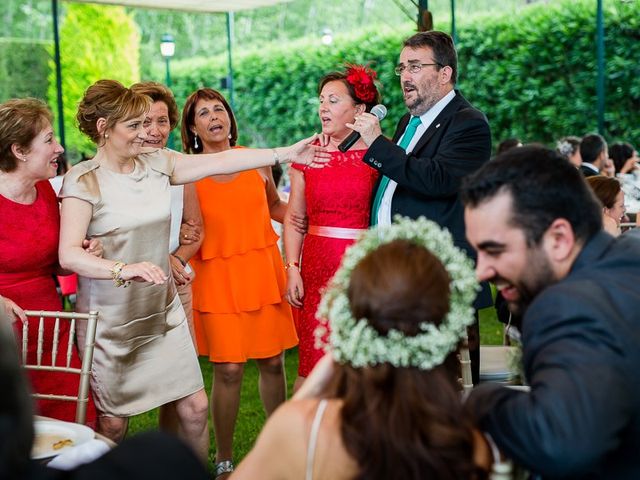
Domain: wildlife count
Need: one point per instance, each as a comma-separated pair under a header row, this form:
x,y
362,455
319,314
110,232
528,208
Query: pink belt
x,y
335,232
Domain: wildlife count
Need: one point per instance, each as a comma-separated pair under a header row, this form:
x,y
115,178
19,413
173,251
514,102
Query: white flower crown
x,y
357,343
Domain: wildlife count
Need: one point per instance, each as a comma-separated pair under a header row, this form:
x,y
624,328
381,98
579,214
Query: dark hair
x,y
544,186
342,77
21,120
112,101
620,153
591,146
444,51
16,412
403,422
605,188
188,118
508,144
159,93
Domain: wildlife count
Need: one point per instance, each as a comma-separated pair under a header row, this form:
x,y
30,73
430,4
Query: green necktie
x,y
384,181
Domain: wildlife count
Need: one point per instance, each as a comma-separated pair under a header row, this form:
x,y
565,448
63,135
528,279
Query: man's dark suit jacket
x,y
456,144
589,170
581,356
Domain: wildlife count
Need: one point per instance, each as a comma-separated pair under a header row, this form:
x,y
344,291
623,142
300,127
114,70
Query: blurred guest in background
x,y
610,194
239,310
336,201
29,155
508,144
569,148
595,156
624,156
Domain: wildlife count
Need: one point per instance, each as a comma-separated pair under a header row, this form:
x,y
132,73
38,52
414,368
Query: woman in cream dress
x,y
144,356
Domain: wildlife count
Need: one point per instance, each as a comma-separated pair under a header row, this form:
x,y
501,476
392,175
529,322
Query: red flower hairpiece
x,y
362,79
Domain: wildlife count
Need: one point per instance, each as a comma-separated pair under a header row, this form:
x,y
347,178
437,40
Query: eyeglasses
x,y
414,67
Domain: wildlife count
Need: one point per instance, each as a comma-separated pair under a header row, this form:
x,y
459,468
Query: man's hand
x,y
368,126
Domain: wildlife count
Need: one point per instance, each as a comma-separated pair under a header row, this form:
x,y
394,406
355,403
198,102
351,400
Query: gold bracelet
x,y
276,157
116,275
288,265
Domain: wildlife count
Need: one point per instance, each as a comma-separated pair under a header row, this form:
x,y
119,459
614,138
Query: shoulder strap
x,y
313,438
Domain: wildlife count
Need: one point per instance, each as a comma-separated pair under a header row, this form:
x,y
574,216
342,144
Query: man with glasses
x,y
441,140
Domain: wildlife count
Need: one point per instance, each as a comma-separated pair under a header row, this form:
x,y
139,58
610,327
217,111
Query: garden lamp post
x,y
167,50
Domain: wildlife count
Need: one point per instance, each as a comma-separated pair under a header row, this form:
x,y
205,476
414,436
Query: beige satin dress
x,y
144,356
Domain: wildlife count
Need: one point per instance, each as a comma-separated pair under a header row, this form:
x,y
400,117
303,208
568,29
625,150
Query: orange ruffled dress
x,y
238,306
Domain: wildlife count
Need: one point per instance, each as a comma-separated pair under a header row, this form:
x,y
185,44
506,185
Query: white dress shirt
x,y
426,119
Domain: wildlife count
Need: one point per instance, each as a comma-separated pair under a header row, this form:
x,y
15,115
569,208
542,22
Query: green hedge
x,y
534,75
24,67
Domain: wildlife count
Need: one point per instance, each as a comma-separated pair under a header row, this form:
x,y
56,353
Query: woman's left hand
x,y
180,274
309,152
93,246
13,311
368,126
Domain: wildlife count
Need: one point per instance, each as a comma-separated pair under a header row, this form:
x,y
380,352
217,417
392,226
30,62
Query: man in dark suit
x,y
595,156
441,140
537,228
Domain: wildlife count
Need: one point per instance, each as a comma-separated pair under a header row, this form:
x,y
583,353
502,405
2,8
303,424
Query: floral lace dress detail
x,y
338,195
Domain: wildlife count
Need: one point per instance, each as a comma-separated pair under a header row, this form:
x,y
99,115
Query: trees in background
x,y
96,42
533,75
532,70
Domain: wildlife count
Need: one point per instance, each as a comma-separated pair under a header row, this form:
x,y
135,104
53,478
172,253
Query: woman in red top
x,y
336,201
30,215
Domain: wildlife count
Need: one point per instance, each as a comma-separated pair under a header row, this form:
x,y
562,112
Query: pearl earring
x,y
106,135
195,141
229,136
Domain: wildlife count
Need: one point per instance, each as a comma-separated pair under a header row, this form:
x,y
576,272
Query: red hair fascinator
x,y
362,79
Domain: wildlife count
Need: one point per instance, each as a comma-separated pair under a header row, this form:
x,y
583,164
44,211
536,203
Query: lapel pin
x,y
438,126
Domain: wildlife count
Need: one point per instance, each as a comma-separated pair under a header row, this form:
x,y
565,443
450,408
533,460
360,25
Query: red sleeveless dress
x,y
338,195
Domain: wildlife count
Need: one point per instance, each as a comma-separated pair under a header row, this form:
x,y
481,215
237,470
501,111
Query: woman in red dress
x,y
30,215
336,200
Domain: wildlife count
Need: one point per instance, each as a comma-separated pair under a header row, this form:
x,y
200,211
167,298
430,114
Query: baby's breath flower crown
x,y
356,343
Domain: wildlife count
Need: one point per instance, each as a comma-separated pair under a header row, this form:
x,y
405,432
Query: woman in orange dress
x,y
239,312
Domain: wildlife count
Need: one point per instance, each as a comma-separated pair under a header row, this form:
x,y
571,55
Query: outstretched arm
x,y
190,168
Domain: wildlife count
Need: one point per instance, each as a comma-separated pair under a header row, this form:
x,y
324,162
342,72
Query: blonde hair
x,y
21,120
112,101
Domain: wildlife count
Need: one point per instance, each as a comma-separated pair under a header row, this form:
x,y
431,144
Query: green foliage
x,y
17,57
96,42
534,76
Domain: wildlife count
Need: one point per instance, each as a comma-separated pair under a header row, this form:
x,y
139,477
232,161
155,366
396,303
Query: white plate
x,y
49,432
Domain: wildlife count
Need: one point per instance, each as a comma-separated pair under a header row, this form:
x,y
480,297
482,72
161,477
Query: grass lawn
x,y
251,416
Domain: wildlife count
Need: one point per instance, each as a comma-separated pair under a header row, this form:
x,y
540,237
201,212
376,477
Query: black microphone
x,y
379,111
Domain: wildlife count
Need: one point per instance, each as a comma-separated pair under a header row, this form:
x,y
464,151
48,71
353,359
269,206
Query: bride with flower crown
x,y
385,401
336,202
